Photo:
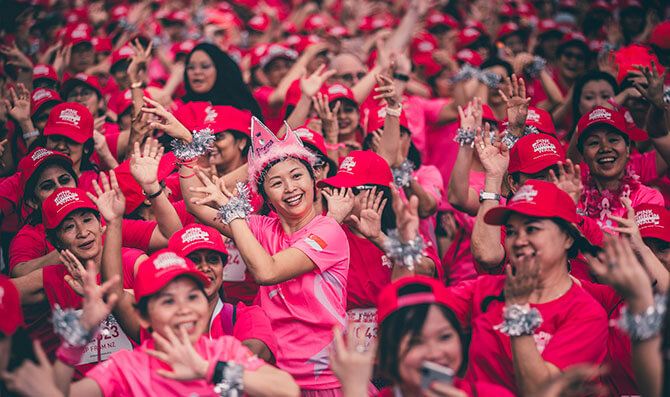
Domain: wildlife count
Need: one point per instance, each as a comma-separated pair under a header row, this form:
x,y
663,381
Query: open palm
x,y
110,199
144,164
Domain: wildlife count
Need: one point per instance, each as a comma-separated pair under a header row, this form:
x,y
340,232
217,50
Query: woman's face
x,y
228,149
572,62
277,69
494,95
443,87
289,188
606,153
53,177
201,72
180,305
81,233
348,117
536,237
661,249
209,262
87,96
405,141
67,146
550,45
595,93
438,343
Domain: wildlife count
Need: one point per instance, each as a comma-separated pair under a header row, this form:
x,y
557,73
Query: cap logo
x,y
337,89
470,32
256,20
525,193
2,294
211,115
628,117
386,262
41,94
40,153
647,217
40,69
169,259
600,114
544,146
126,51
260,49
70,115
425,46
81,76
128,94
65,197
348,164
78,34
194,234
533,116
304,133
466,54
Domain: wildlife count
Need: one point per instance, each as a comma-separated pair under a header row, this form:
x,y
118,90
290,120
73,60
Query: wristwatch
x,y
488,196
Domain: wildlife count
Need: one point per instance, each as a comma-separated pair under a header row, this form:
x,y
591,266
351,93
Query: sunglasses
x,y
349,77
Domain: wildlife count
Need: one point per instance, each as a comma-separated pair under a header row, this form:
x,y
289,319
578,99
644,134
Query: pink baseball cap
x,y
339,91
468,56
38,158
224,118
360,168
61,203
653,221
259,22
534,152
80,79
275,51
315,22
597,116
41,97
390,300
538,199
660,36
71,120
10,307
80,33
123,53
313,138
196,237
44,71
162,267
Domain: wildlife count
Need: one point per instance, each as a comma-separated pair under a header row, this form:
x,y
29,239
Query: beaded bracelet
x,y
465,136
239,207
644,325
406,254
201,144
519,320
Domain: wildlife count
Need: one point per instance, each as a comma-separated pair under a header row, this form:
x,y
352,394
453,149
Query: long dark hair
x,y
229,88
35,217
579,87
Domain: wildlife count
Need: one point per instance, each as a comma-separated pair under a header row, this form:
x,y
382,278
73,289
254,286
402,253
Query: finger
x,y
522,88
115,183
620,220
552,177
42,358
172,337
461,114
167,374
105,182
414,205
338,340
109,284
630,212
157,355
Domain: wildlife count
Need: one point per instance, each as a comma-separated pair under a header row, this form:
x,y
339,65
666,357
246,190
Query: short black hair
x,y
491,62
143,305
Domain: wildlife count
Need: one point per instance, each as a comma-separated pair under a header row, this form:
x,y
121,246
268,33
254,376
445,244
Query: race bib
x,y
363,326
235,267
106,343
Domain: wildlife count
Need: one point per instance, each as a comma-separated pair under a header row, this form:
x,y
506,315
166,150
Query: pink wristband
x,y
70,355
334,146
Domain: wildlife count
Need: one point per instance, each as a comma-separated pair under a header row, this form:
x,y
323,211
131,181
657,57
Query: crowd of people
x,y
334,198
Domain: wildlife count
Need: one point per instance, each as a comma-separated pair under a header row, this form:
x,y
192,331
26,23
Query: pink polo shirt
x,y
304,310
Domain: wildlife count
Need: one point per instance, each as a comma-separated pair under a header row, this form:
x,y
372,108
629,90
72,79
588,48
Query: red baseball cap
x,y
389,299
315,22
338,31
507,29
634,133
378,118
44,71
487,114
360,168
196,237
653,221
633,55
600,115
225,118
119,12
307,41
275,51
80,79
313,138
436,18
259,22
371,23
660,36
468,56
102,44
467,36
257,54
507,10
10,307
534,152
540,119
600,5
41,97
123,53
627,4
423,43
162,267
339,91
38,158
80,33
538,199
545,26
574,38
129,186
177,16
185,47
71,120
61,203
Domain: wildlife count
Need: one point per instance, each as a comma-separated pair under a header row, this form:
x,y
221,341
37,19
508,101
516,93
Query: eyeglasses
x,y
350,77
84,93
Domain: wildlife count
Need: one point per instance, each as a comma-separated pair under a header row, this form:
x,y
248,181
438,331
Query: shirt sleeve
x,y
108,376
432,109
137,233
231,349
129,259
252,323
26,246
430,179
644,165
9,194
326,244
460,301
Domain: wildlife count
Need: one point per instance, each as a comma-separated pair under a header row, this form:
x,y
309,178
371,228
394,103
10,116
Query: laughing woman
x,y
299,258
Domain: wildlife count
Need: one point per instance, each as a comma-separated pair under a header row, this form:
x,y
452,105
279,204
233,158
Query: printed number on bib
x,y
100,348
363,325
235,267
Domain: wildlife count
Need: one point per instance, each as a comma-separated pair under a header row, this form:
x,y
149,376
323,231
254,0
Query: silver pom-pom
x,y
239,207
466,72
608,47
402,175
66,324
509,139
465,136
492,80
519,320
530,129
201,144
406,254
666,94
534,68
231,384
647,324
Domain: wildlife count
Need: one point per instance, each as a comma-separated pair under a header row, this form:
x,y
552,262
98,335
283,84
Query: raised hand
x,y
62,60
471,117
110,199
140,58
328,117
16,57
20,99
517,104
655,84
569,179
628,226
169,123
493,156
31,379
369,221
340,203
386,91
179,354
77,271
406,215
520,285
214,193
94,308
310,85
144,164
351,363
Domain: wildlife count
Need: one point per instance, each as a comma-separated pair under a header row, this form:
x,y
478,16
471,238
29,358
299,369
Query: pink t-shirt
x,y
441,151
133,373
573,330
422,114
273,116
304,310
430,179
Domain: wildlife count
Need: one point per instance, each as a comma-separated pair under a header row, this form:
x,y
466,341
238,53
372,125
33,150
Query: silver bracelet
x,y
239,207
666,94
647,324
394,112
201,144
402,175
231,384
465,136
31,134
406,254
519,320
67,324
509,139
534,68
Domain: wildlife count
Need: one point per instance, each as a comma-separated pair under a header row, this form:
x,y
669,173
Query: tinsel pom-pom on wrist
x,y
406,254
519,320
201,144
647,324
239,207
67,324
465,136
402,175
228,379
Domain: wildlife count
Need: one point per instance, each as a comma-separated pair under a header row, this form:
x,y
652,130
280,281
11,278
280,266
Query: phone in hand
x,y
431,372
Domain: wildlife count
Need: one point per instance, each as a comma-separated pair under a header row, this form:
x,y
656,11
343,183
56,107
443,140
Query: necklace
x,y
599,204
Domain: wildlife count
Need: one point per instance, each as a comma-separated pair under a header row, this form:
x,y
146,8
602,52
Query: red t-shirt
x,y
573,330
239,284
273,116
